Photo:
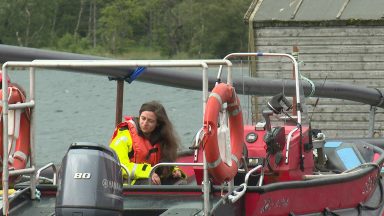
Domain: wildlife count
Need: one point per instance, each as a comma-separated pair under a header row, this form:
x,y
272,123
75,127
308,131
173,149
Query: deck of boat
x,y
148,200
151,200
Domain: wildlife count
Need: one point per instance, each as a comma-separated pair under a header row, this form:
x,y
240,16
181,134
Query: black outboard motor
x,y
89,182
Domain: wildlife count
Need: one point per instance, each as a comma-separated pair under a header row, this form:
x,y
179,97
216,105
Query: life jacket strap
x,y
153,150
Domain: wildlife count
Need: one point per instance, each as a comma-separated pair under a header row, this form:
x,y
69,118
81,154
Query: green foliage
x,y
173,28
72,43
26,23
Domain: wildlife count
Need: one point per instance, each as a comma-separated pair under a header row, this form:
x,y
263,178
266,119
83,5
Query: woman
x,y
142,142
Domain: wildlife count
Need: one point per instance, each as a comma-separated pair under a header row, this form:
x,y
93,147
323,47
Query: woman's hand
x,y
155,179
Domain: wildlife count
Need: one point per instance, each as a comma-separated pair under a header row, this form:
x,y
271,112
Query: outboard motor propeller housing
x,y
89,182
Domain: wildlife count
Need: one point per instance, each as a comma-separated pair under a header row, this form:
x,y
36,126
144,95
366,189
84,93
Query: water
x,y
72,107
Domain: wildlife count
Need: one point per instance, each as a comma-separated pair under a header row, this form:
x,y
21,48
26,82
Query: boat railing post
x,y
231,186
5,109
54,178
229,75
205,84
289,137
32,131
206,183
5,177
295,67
119,101
206,187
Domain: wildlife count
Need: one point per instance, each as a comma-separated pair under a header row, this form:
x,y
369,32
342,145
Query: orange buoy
x,y
18,131
221,170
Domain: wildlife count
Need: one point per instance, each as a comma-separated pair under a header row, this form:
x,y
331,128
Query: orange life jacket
x,y
143,150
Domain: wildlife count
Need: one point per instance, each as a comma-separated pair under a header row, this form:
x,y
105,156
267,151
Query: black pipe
x,y
171,77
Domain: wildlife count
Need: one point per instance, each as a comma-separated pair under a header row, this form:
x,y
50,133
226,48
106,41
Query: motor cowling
x,y
89,182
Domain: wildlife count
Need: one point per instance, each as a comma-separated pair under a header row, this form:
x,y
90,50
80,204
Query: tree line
x,y
197,28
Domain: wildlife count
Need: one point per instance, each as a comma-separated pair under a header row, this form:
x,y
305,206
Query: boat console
x,y
284,150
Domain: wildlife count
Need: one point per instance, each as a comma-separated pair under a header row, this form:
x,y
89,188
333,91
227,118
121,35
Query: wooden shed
x,y
339,41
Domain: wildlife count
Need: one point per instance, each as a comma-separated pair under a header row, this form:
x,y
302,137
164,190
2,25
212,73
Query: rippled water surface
x,y
73,107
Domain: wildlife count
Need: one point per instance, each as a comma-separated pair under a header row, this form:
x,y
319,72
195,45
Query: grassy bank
x,y
131,53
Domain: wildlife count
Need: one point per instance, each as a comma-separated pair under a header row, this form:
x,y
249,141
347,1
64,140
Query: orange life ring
x,y
217,168
19,131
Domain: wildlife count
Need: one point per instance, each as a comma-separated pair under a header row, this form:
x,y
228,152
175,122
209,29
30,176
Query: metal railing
x,y
72,64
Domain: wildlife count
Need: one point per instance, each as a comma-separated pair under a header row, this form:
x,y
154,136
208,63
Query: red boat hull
x,y
312,196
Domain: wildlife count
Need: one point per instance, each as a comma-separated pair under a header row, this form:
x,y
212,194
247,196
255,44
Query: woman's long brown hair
x,y
167,137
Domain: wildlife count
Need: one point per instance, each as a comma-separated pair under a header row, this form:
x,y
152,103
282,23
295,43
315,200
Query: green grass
x,y
139,54
134,53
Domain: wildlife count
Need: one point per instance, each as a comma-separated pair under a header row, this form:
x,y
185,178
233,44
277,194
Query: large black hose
x,y
169,77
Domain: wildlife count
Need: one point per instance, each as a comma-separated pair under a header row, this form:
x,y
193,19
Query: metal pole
x,y
206,183
205,85
229,75
119,101
206,188
371,126
32,131
295,54
5,176
295,66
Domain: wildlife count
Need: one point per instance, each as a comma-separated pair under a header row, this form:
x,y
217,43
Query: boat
x,y
278,166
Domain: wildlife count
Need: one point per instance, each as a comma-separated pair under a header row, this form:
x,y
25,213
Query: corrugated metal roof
x,y
316,10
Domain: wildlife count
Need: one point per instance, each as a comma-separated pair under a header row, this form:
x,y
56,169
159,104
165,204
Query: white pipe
x,y
295,65
113,63
5,177
289,137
